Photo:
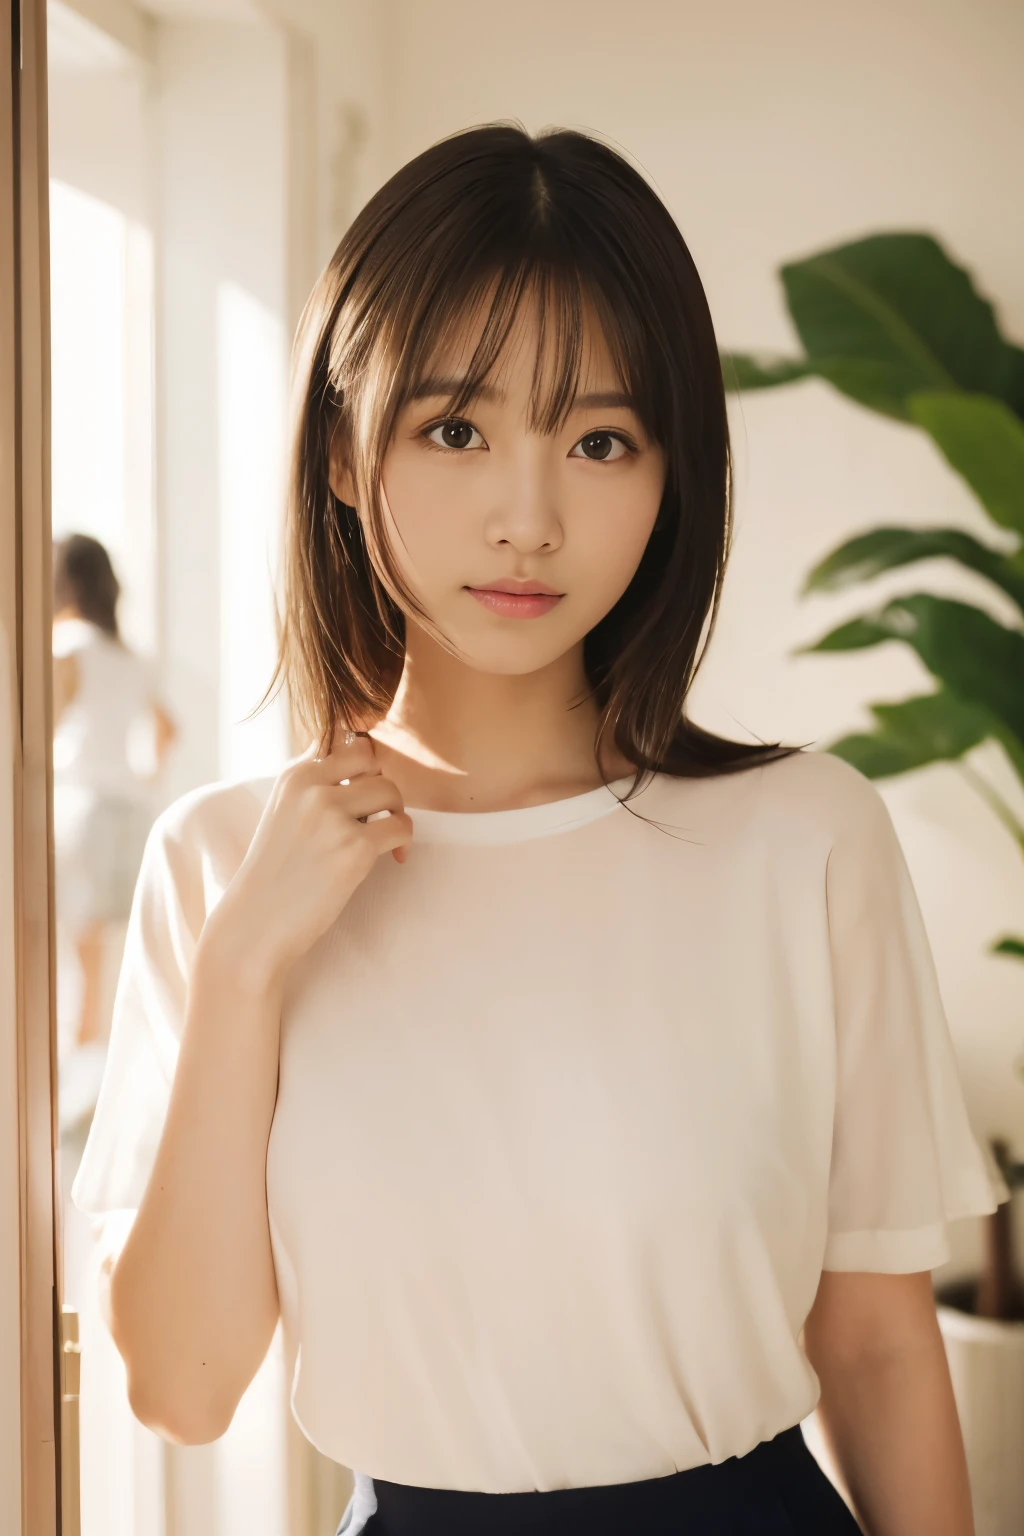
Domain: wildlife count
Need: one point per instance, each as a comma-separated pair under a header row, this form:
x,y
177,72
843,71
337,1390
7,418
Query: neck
x,y
457,738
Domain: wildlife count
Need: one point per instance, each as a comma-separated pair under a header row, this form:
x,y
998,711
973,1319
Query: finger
x,y
344,761
368,795
391,832
355,752
346,737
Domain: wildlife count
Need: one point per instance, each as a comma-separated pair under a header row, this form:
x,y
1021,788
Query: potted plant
x,y
897,326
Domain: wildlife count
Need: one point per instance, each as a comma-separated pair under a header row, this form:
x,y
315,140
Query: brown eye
x,y
599,446
454,433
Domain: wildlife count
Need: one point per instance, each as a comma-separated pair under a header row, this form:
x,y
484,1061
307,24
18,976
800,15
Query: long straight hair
x,y
481,222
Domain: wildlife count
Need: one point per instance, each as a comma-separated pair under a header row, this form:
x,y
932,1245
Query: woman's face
x,y
518,542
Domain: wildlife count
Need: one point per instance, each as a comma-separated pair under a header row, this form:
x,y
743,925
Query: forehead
x,y
551,348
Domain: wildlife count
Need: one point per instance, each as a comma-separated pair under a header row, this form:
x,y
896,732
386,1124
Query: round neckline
x,y
520,824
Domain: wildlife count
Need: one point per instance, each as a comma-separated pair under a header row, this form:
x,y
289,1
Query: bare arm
x,y
165,734
192,1298
887,1411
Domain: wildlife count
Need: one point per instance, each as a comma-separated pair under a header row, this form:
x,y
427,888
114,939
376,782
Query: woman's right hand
x,y
312,848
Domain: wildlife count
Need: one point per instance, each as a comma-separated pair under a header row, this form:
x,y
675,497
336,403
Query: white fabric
x,y
360,1507
92,741
98,845
573,1110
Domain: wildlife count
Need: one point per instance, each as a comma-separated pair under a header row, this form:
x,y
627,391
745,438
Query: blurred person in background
x,y
105,706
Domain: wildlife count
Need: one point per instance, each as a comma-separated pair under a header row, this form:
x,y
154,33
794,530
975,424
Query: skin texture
x,y
887,1410
483,720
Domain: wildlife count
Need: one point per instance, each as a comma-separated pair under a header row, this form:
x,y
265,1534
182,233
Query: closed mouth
x,y
530,602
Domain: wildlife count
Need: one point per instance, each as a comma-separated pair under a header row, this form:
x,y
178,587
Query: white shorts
x,y
98,843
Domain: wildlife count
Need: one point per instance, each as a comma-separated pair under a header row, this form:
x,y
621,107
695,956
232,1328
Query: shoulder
x,y
804,803
818,807
820,792
214,814
202,837
71,636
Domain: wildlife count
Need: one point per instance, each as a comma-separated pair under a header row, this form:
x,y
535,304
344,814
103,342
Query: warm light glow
x,y
88,286
251,362
101,313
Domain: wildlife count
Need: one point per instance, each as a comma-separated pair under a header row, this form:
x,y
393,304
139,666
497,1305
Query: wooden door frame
x,y
31,1360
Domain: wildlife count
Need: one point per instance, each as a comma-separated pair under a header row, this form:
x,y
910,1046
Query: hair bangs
x,y
486,301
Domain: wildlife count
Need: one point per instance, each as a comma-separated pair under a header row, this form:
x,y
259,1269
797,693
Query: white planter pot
x,y
986,1363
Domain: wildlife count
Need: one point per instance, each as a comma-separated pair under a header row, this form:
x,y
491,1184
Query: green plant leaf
x,y
1013,746
885,549
741,371
854,635
984,442
879,386
897,301
935,727
1015,393
1009,946
882,387
978,659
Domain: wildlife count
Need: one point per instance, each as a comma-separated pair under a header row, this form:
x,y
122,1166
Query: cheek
x,y
614,523
425,524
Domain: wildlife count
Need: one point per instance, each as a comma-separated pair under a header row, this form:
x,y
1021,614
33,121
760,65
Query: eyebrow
x,y
451,388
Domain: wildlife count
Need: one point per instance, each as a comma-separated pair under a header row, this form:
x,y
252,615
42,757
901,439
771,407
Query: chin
x,y
509,662
511,655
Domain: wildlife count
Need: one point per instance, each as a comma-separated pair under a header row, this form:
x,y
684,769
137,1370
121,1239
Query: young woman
x,y
101,691
573,1083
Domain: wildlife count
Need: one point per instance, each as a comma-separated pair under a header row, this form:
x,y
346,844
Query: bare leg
x,y
89,946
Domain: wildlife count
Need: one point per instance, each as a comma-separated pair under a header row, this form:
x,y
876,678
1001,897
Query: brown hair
x,y
83,578
487,218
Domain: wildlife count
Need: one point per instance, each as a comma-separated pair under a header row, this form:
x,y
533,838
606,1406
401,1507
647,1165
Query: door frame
x,y
31,1357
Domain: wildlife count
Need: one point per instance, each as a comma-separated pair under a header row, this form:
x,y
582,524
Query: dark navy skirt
x,y
777,1489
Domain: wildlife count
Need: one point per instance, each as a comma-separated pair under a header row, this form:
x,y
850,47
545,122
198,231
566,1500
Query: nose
x,y
524,513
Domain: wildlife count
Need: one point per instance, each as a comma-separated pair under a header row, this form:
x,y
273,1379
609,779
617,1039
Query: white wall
x,y
183,155
350,48
101,293
772,131
222,339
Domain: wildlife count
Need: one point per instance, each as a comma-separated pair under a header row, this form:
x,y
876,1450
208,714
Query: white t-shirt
x,y
92,740
574,1109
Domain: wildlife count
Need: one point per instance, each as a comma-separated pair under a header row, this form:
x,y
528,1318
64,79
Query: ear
x,y
339,474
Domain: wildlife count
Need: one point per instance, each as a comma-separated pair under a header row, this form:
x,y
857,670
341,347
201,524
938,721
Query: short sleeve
x,y
149,1010
69,636
904,1157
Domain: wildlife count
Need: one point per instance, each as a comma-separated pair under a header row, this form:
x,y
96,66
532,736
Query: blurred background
x,y
207,155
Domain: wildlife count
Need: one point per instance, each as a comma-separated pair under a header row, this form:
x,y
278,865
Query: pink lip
x,y
517,599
